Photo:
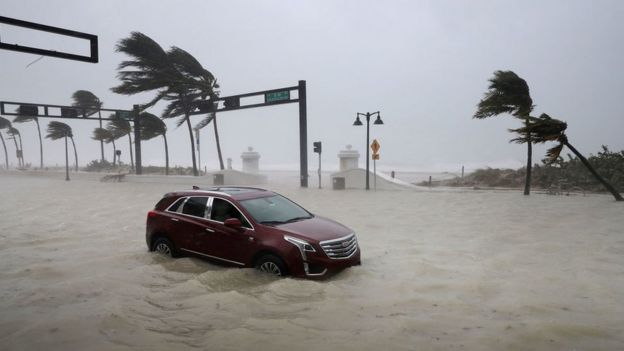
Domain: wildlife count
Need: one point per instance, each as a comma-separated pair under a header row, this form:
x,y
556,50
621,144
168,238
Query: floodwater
x,y
443,270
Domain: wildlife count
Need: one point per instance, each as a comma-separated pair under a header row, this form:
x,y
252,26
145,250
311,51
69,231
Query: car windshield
x,y
275,210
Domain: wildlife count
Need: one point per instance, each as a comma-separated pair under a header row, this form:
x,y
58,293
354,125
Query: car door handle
x,y
209,230
175,219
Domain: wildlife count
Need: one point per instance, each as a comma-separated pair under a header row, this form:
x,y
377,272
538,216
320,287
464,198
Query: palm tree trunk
x,y
19,161
166,156
101,141
591,169
40,144
214,122
66,161
6,155
190,129
529,166
75,152
131,157
114,153
21,150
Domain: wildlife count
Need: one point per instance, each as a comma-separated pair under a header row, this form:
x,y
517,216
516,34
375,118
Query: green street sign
x,y
277,96
127,115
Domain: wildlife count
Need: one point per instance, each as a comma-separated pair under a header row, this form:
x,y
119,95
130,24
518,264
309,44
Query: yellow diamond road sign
x,y
375,146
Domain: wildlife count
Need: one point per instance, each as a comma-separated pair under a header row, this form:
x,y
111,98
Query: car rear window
x,y
176,205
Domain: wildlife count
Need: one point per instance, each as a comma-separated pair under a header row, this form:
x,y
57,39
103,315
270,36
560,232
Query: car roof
x,y
233,192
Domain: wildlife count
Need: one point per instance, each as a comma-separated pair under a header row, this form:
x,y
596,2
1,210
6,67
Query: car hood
x,y
316,229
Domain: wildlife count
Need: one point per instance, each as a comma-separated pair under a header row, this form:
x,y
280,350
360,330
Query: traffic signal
x,y
317,147
69,112
231,102
207,106
28,110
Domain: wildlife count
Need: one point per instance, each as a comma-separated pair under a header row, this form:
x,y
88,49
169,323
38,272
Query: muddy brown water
x,y
440,271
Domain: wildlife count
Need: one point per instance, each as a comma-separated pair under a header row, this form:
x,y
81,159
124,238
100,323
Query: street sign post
x,y
318,148
375,147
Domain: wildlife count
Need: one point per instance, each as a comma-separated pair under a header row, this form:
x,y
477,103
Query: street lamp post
x,y
359,123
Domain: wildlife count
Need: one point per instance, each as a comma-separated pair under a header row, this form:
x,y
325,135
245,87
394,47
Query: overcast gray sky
x,y
423,64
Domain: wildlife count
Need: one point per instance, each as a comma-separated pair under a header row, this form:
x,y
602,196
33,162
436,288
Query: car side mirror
x,y
233,223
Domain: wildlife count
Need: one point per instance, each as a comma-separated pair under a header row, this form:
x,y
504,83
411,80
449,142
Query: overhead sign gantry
x,y
220,104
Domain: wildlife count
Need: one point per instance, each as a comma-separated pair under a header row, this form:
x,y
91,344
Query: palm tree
x,y
21,118
151,127
4,124
212,118
508,93
106,136
91,103
176,76
15,134
545,128
58,130
120,127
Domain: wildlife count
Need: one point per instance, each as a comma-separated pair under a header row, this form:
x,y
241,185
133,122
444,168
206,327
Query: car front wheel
x,y
164,247
271,264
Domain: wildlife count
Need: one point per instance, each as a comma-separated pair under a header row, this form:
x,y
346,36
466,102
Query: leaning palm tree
x,y
59,130
24,117
106,136
176,76
508,93
120,127
151,127
4,124
545,128
212,118
91,103
15,134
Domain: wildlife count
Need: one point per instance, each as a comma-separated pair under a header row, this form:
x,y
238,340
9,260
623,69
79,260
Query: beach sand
x,y
441,270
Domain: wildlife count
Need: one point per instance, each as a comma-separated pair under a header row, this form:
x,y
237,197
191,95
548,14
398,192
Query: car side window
x,y
222,210
195,206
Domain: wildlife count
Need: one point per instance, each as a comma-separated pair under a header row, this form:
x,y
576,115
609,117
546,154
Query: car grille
x,y
340,248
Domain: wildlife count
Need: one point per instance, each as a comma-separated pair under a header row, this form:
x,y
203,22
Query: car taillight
x,y
151,214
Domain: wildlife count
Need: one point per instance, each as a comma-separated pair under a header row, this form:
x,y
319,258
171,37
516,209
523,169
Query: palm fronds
x,y
102,134
4,123
508,93
87,100
151,126
58,130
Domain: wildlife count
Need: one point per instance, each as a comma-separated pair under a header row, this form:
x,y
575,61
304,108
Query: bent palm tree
x,y
120,127
59,130
4,124
151,127
176,76
21,118
212,118
106,136
15,134
508,93
544,129
91,103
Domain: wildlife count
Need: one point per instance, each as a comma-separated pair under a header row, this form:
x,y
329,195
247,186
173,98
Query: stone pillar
x,y
250,161
348,159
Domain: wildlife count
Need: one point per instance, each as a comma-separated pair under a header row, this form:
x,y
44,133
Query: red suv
x,y
250,227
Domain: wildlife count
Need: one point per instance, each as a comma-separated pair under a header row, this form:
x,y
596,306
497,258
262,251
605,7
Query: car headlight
x,y
303,245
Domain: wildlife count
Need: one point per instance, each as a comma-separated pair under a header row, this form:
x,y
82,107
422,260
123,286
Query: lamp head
x,y
357,121
378,120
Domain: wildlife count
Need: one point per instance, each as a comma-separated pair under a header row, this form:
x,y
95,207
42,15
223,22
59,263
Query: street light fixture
x,y
358,122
